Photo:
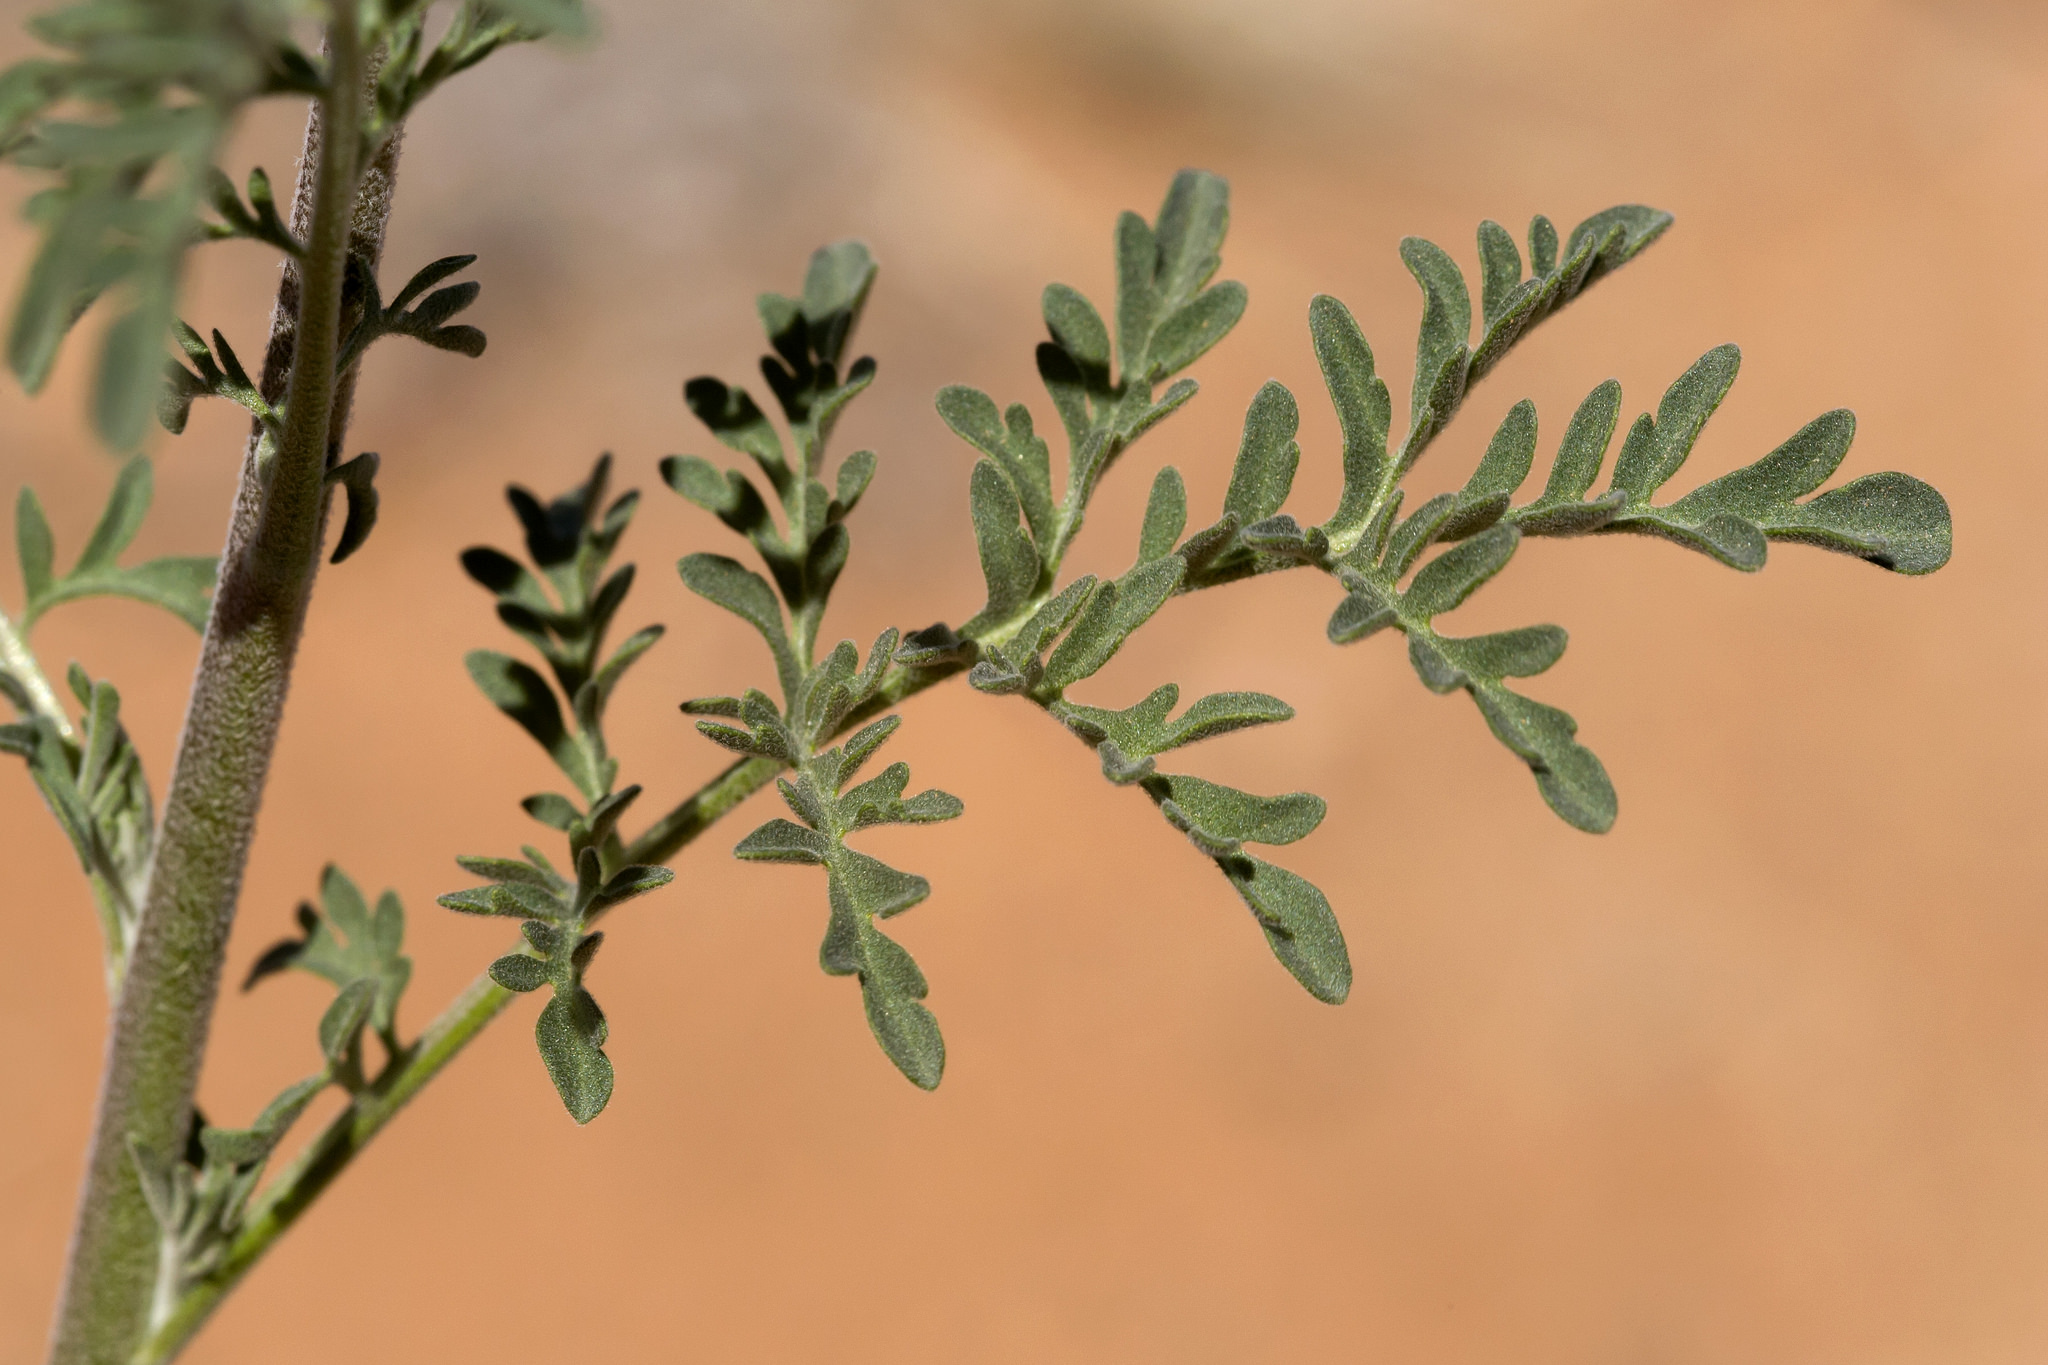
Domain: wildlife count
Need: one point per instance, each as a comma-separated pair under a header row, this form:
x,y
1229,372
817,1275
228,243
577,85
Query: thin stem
x,y
325,1158
18,659
295,1188
267,570
667,836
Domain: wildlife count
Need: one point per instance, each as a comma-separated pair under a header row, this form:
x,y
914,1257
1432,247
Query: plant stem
x,y
267,571
295,1188
667,836
315,1168
18,659
323,1160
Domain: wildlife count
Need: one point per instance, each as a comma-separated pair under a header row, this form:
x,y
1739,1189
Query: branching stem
x,y
370,1108
295,1188
267,569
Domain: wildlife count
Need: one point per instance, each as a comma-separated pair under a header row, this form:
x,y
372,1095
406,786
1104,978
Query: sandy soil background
x,y
1762,1075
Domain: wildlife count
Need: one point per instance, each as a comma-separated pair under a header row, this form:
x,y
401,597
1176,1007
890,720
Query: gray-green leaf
x,y
1266,457
1298,925
746,595
569,1036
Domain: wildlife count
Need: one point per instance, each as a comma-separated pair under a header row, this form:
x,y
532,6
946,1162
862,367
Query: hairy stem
x,y
267,570
667,836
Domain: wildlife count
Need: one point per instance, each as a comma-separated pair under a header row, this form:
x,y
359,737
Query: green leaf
x,y
1457,573
1584,448
1226,814
1505,466
250,1146
1266,457
1137,294
1571,779
746,595
1188,334
493,900
1421,529
554,811
738,422
1132,419
836,286
512,870
1501,269
725,493
855,473
103,733
1298,925
1222,712
1166,516
1542,246
505,576
1113,612
861,745
357,477
1009,563
1445,663
345,943
127,505
180,586
1048,621
606,678
1893,520
629,883
540,18
569,1034
1192,223
891,988
1802,464
521,693
1640,225
872,887
1143,730
344,1018
1016,449
879,801
1646,464
35,547
1364,410
130,124
1079,331
1366,611
1446,321
519,973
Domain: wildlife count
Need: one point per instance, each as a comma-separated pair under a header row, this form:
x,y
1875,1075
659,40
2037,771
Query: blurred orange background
x,y
1762,1075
